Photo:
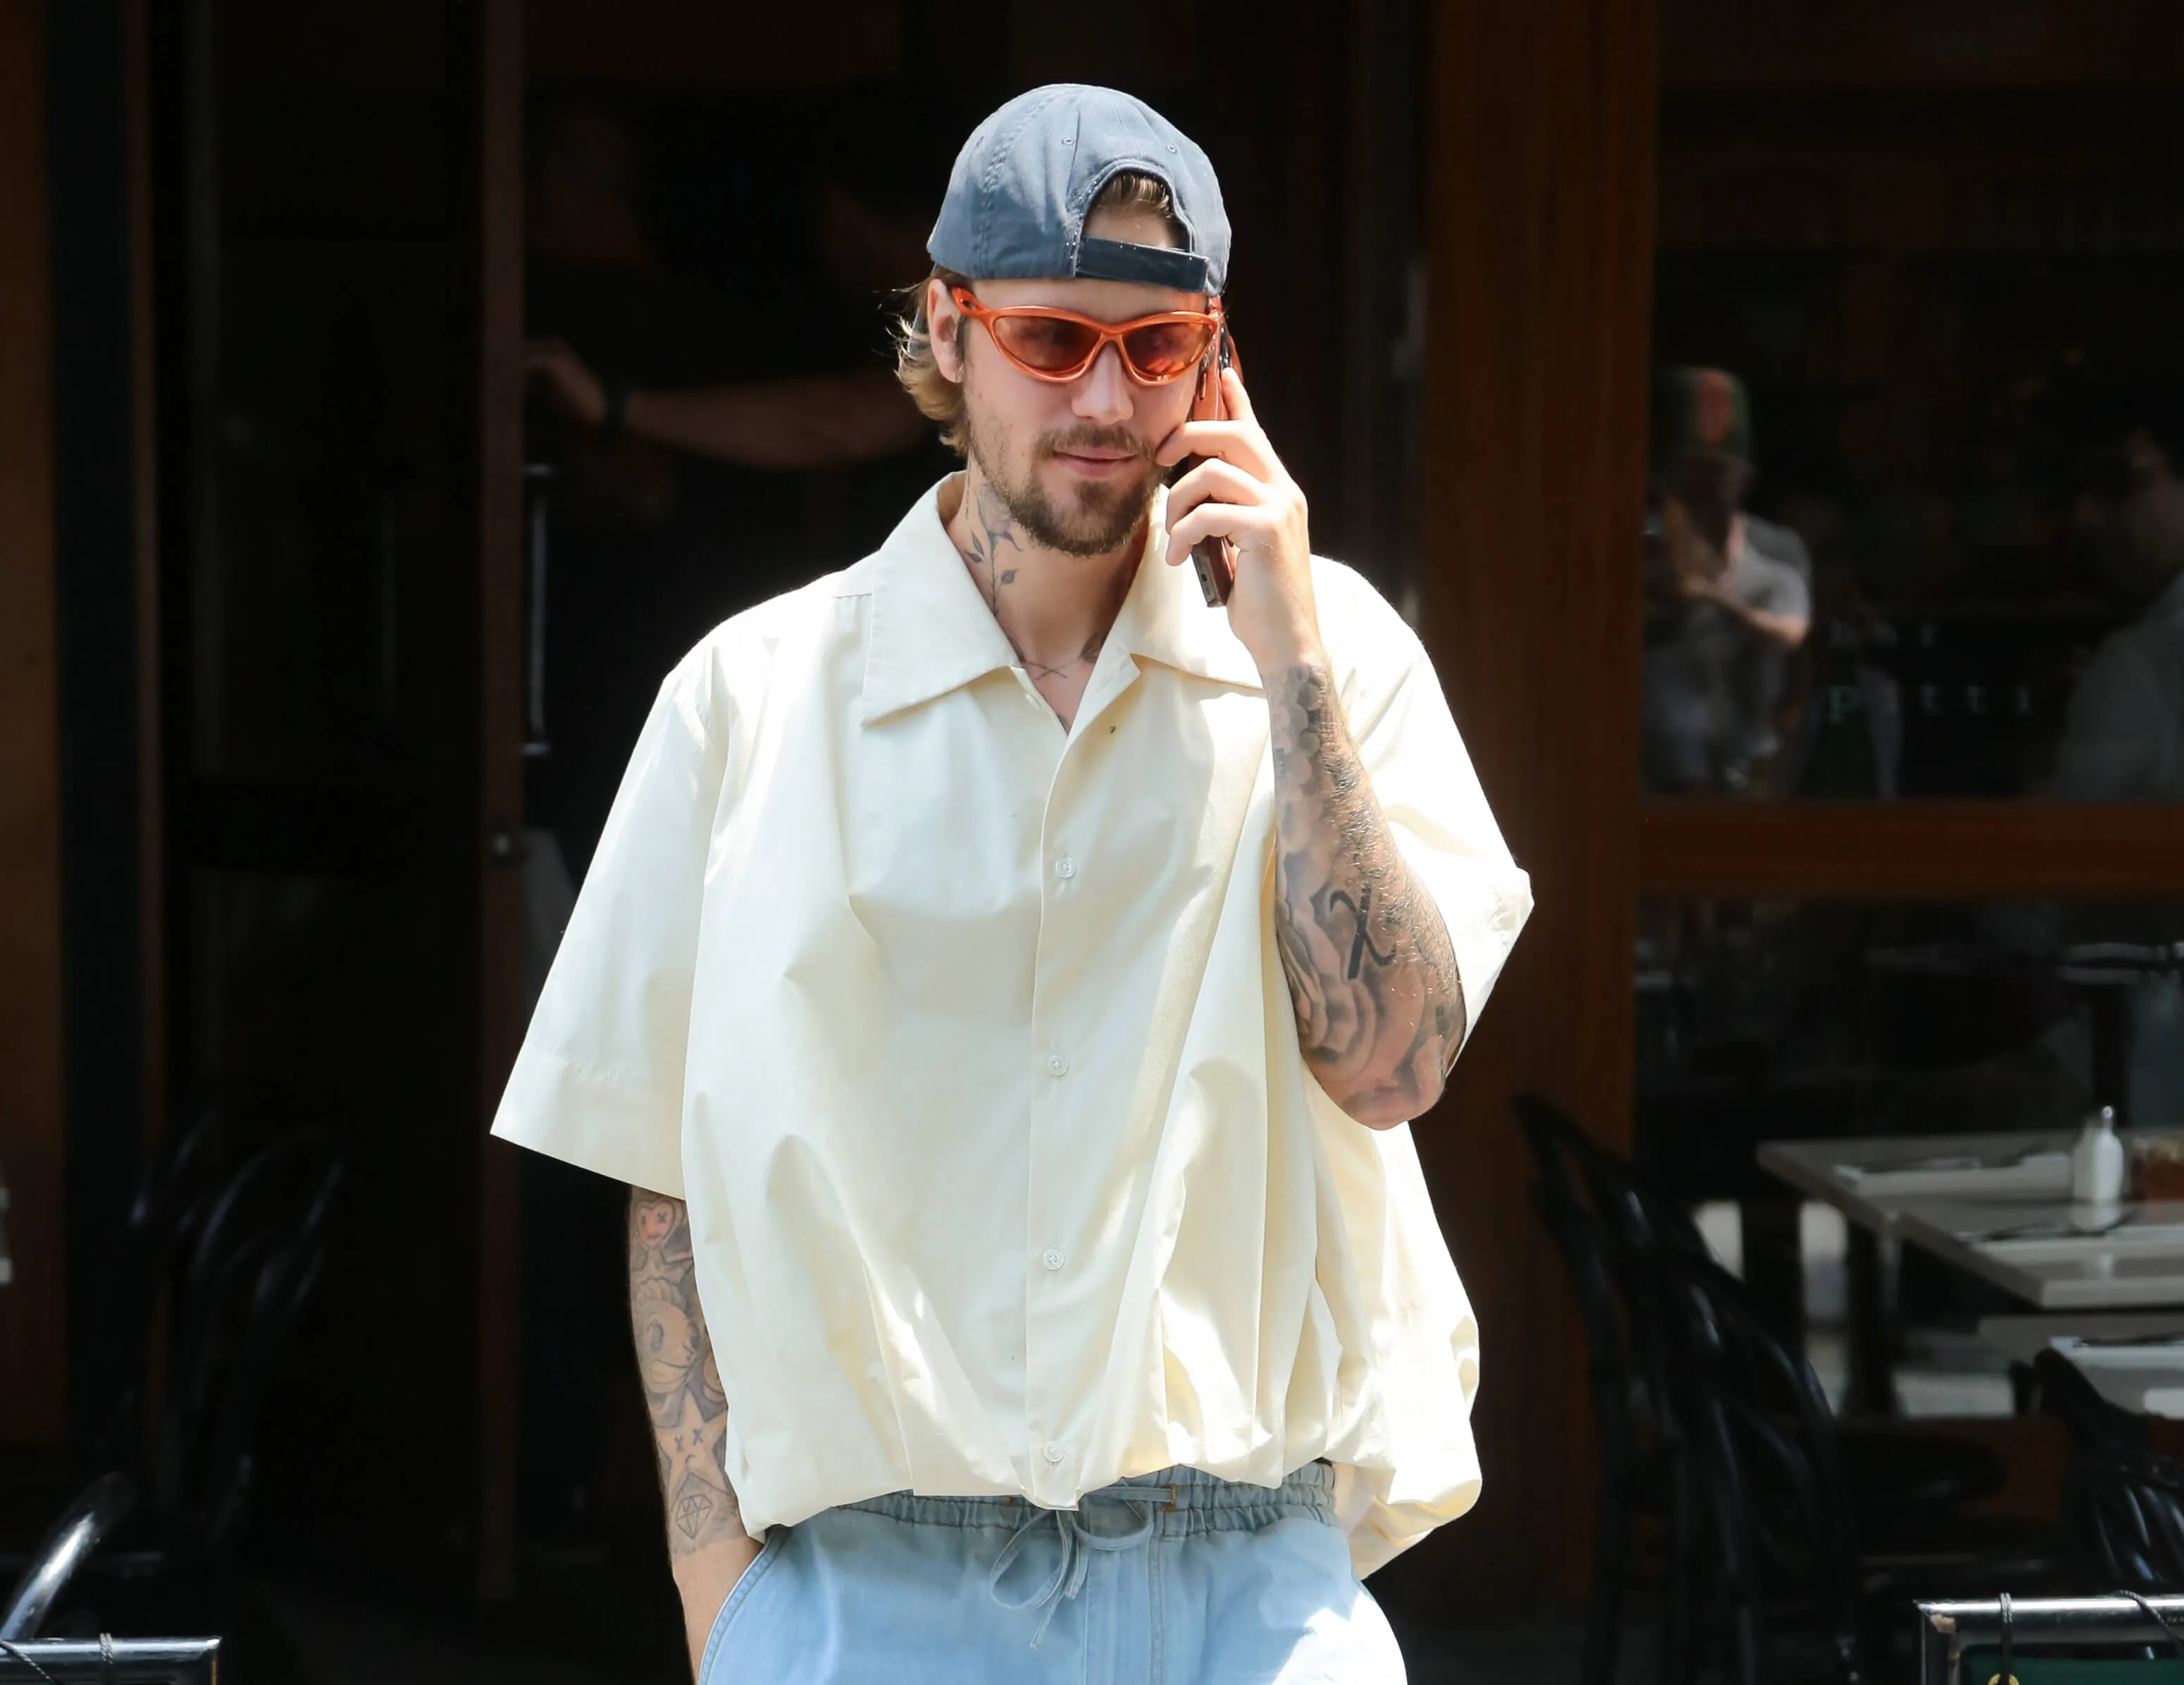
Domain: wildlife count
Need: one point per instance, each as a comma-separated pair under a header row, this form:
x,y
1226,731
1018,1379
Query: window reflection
x,y
1729,595
1760,1020
1955,575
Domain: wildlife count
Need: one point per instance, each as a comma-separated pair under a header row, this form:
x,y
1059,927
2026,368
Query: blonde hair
x,y
940,399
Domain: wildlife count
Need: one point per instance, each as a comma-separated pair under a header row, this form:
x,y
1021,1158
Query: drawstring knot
x,y
1078,1542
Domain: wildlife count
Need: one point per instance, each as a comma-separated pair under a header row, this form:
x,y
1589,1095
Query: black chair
x,y
174,1193
2057,1388
1768,1468
249,1262
113,1661
1640,1473
1792,1546
2123,1503
62,1551
1705,1412
2123,1510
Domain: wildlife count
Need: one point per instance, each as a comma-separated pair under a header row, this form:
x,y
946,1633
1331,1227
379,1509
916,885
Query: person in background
x,y
2121,438
2123,730
1004,980
866,216
1729,595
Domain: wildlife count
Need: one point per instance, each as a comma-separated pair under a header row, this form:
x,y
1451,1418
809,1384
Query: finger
x,y
1212,478
1238,442
1239,522
1238,400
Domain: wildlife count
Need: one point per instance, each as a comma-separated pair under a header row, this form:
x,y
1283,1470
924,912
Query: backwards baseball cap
x,y
1021,186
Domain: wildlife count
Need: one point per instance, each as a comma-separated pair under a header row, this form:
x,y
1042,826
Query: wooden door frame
x,y
1539,180
33,1148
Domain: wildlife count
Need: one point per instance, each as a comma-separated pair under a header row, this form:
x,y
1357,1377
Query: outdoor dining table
x,y
1998,1206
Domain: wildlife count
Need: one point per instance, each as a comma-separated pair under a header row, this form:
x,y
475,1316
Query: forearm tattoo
x,y
1372,973
681,1383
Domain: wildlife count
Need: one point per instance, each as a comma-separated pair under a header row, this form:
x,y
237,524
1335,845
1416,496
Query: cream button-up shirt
x,y
966,1039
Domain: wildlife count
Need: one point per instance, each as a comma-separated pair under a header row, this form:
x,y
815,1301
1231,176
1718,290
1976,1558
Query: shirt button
x,y
1057,1064
1052,1258
1065,867
1051,1452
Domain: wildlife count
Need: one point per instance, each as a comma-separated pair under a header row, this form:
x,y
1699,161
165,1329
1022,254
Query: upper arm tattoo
x,y
1372,972
682,1390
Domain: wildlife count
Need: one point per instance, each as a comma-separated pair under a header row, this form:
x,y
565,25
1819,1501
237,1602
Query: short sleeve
x,y
2108,729
1423,779
1771,585
599,1081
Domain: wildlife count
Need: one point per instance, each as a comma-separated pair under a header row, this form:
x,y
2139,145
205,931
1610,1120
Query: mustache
x,y
1096,439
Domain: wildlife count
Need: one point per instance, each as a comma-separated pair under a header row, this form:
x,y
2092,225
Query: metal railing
x,y
1947,1630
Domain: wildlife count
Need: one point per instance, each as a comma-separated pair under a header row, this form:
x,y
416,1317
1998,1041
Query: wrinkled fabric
x,y
967,1041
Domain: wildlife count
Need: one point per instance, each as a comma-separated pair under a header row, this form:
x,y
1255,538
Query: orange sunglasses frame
x,y
1109,333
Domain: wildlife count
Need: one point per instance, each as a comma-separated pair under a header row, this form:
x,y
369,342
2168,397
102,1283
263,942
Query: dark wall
x,y
95,479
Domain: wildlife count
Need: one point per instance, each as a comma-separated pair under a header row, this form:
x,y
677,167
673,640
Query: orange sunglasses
x,y
1051,344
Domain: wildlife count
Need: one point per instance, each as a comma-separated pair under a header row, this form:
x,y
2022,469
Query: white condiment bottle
x,y
2096,1161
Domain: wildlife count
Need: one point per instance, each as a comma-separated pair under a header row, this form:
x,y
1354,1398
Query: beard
x,y
1104,512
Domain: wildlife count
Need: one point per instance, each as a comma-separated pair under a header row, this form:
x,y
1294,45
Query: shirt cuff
x,y
566,1112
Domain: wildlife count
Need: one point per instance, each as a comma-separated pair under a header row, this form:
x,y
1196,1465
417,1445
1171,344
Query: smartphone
x,y
1214,556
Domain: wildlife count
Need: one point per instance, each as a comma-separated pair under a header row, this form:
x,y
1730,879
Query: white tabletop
x,y
1996,1205
2148,1378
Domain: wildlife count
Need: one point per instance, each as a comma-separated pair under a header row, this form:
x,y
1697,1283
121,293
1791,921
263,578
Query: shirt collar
x,y
932,633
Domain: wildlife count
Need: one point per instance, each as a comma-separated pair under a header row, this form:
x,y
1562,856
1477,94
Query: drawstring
x,y
1077,1542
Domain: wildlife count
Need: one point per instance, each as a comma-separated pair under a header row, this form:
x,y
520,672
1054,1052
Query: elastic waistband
x,y
1179,1500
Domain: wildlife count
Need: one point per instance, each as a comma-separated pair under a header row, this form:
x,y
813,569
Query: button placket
x,y
1056,1102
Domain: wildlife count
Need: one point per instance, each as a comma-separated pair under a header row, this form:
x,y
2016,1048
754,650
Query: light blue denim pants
x,y
1174,1578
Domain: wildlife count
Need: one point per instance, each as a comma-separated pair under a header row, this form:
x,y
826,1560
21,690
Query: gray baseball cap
x,y
1024,181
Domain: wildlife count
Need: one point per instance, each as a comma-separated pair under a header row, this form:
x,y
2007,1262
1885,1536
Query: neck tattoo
x,y
988,525
989,528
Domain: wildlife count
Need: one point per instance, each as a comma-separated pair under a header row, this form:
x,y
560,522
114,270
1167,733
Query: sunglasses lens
x,y
1045,342
1166,351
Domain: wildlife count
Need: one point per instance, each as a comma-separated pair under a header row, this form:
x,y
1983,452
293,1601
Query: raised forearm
x,y
1787,630
803,421
706,1545
1372,973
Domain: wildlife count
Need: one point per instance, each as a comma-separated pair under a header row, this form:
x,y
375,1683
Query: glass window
x,y
1916,509
1762,1020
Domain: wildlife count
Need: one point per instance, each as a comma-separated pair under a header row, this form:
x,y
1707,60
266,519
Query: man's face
x,y
1073,461
2130,515
1711,490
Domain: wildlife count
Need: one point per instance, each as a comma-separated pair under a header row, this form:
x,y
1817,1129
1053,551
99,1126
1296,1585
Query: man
x,y
1730,595
2123,730
2123,735
1009,976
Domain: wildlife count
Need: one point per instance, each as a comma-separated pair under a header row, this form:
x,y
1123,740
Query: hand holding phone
x,y
1242,519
